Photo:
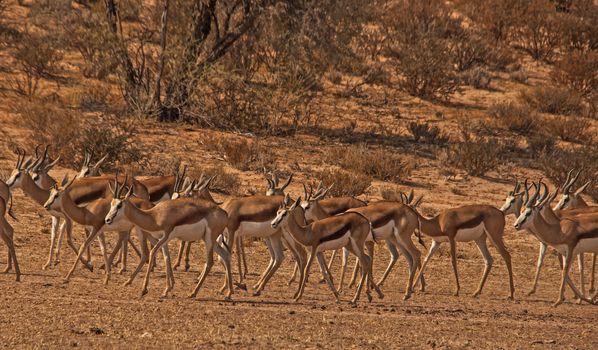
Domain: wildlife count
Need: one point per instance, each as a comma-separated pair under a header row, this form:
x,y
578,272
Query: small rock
x,y
291,312
96,330
231,326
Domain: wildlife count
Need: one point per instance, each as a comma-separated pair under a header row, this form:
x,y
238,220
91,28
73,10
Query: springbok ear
x,y
70,182
287,200
583,188
129,193
270,184
65,180
410,197
27,164
417,201
297,202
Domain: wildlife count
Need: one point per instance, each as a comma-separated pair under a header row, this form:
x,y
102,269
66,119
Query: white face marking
x,y
524,219
280,215
115,214
564,202
509,201
15,179
52,199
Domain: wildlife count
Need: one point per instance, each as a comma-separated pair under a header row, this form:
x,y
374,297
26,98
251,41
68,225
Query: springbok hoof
x,y
144,292
531,292
558,302
187,267
476,294
241,286
369,297
257,293
192,296
228,298
406,297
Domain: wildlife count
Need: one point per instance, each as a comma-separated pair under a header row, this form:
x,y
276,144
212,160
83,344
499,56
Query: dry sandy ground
x,y
43,312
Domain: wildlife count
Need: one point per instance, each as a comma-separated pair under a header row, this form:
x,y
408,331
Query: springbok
x,y
91,217
570,236
348,230
87,169
184,218
465,224
6,230
251,217
574,200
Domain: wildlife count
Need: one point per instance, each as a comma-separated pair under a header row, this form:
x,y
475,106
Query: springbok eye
x,y
119,205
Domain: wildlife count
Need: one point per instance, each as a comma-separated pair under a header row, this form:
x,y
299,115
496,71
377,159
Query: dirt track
x,y
42,311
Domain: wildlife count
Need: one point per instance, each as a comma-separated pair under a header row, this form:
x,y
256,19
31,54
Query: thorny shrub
x,y
476,156
553,99
578,71
427,133
69,135
569,129
555,164
346,183
244,154
513,117
377,163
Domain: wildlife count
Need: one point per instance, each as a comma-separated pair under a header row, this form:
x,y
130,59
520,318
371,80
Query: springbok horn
x,y
526,193
287,183
583,188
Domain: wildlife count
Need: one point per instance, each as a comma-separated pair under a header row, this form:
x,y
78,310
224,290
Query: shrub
x,y
578,71
477,77
69,135
470,51
94,97
538,144
335,77
225,181
474,156
244,154
418,47
555,100
495,17
346,183
568,129
426,132
378,163
159,164
538,31
513,117
36,57
556,164
519,76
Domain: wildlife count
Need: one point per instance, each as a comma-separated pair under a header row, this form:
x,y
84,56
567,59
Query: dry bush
x,y
225,182
346,183
557,163
569,129
538,144
430,134
69,135
85,32
36,57
580,26
244,154
477,77
578,71
513,117
377,163
93,97
555,100
519,76
498,18
159,164
418,46
335,77
538,31
476,156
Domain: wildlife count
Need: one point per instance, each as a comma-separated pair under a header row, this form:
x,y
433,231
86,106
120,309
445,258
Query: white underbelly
x,y
119,226
465,235
192,232
383,232
336,243
588,245
255,229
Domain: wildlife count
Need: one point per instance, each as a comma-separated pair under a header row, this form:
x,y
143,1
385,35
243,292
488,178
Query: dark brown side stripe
x,y
471,223
338,234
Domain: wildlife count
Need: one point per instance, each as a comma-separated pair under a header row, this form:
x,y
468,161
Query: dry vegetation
x,y
359,94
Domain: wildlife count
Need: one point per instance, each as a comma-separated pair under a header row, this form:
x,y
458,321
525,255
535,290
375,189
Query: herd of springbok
x,y
160,209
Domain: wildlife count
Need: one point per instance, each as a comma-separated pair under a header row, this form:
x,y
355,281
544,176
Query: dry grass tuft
x,y
513,117
378,163
345,183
